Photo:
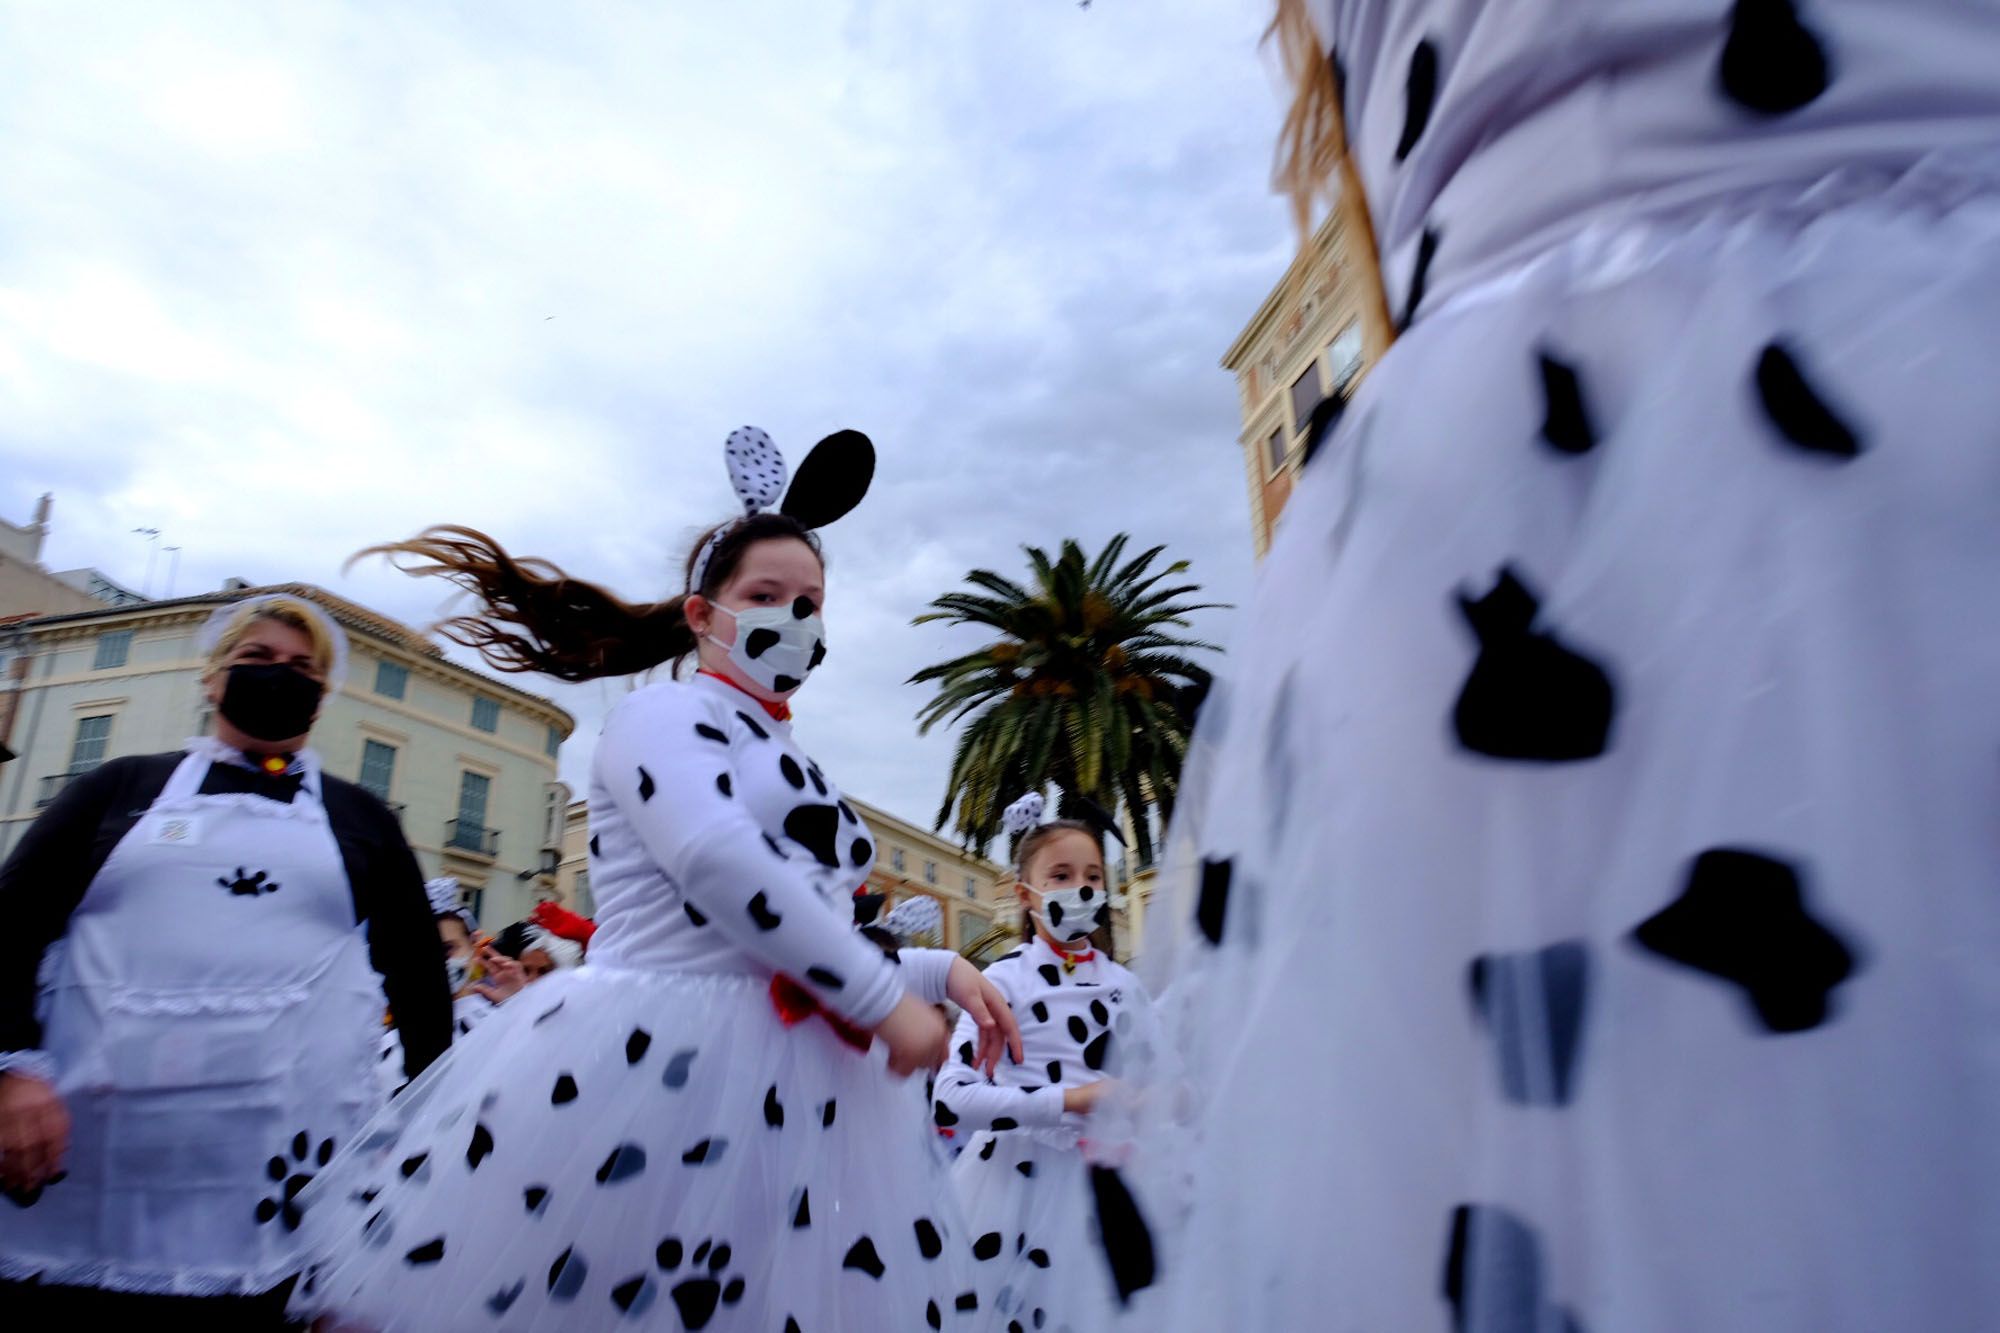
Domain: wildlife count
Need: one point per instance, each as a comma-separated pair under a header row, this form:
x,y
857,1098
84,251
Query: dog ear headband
x,y
830,482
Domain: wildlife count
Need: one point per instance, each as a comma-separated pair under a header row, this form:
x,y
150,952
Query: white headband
x,y
218,624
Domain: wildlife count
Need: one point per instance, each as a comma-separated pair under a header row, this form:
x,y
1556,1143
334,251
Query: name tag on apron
x,y
175,831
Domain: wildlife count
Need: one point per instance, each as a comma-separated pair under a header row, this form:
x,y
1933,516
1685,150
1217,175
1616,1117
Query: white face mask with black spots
x,y
776,647
1071,914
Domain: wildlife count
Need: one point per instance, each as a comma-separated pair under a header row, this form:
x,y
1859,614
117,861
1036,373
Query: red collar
x,y
779,710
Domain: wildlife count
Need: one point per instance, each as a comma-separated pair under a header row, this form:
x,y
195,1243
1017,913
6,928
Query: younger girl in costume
x,y
1023,1178
697,1129
480,976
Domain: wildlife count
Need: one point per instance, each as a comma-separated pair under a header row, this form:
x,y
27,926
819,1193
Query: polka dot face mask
x,y
776,647
1071,914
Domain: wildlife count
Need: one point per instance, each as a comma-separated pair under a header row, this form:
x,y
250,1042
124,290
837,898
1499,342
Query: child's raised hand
x,y
504,976
971,991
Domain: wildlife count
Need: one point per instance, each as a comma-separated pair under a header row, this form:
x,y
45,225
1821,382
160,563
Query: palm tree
x,y
1087,688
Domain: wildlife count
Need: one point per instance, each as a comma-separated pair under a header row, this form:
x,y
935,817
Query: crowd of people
x,y
1579,912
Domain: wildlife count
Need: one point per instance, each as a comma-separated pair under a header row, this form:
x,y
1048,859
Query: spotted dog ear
x,y
756,468
831,480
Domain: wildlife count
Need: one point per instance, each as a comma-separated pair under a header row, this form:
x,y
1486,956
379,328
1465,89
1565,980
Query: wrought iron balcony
x,y
463,835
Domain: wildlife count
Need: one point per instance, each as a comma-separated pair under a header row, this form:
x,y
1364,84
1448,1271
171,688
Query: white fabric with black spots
x,y
1581,907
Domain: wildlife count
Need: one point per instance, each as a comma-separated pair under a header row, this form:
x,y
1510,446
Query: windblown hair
x,y
532,617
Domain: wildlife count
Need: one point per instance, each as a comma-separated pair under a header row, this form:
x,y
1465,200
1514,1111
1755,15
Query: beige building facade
x,y
1314,336
468,763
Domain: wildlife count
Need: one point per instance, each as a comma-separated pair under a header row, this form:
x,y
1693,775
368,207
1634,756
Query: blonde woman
x,y
1591,876
202,1036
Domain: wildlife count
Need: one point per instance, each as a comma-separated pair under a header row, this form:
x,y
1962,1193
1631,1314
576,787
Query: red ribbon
x,y
795,1004
779,710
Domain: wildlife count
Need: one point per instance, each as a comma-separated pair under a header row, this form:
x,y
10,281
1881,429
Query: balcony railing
x,y
465,836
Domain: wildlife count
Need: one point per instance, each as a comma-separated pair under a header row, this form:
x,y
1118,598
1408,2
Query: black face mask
x,y
270,701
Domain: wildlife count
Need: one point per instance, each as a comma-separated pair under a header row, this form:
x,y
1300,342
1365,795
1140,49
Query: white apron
x,y
212,1013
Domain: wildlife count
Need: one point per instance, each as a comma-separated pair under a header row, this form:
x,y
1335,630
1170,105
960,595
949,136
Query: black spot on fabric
x,y
626,1161
756,727
1100,1013
967,1301
1566,424
564,1091
1055,911
708,733
551,1013
595,850
987,1246
1039,1258
818,655
859,851
929,1244
802,1211
802,608
566,1275
412,1165
1419,96
826,1114
761,641
1128,1241
500,1302
815,828
1211,909
646,784
1003,1123
818,780
785,684
986,1153
861,1257
932,1315
1528,696
1055,1071
776,849
1743,918
1799,413
1427,246
705,1153
636,1045
480,1148
1771,63
1493,1275
723,785
823,977
634,1296
774,1110
1078,1031
761,913
1533,1005
1040,1010
535,1196
943,1115
1094,1054
679,1065
1027,1170
669,1253
1050,973
694,914
965,1052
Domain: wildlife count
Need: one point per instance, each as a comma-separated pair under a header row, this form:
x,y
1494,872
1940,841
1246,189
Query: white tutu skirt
x,y
617,1149
1583,911
1037,1259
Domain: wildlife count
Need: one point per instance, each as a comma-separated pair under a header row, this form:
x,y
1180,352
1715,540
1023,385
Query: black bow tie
x,y
227,779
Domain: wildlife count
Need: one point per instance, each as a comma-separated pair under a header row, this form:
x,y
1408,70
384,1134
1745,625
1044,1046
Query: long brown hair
x,y
534,617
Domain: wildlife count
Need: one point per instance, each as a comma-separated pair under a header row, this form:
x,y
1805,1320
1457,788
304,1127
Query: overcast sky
x,y
283,280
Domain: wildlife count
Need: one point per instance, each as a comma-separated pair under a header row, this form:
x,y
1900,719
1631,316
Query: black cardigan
x,y
62,851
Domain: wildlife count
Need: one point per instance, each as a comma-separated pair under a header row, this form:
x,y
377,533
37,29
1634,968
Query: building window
x,y
971,887
581,902
378,769
485,713
468,831
554,742
930,872
93,734
391,680
1343,358
1305,397
112,650
1276,447
896,859
474,900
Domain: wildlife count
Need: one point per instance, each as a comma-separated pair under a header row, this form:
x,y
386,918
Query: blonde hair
x,y
289,611
1313,161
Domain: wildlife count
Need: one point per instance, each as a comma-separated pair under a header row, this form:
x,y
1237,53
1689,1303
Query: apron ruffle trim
x,y
33,1064
180,1003
108,1276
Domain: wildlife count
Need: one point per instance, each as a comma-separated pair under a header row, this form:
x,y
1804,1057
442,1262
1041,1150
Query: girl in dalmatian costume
x,y
1023,1178
708,1125
202,1031
479,975
1584,897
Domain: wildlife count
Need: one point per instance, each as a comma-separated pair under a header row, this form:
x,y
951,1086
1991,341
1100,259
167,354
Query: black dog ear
x,y
1087,811
831,480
